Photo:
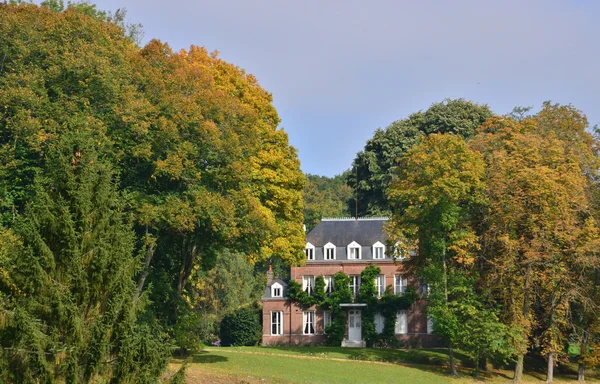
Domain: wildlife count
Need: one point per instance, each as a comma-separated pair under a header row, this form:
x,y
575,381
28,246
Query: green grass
x,y
336,365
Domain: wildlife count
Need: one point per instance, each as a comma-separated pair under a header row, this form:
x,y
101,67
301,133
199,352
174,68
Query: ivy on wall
x,y
388,305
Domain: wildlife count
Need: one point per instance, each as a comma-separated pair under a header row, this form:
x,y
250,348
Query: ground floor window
x,y
277,323
429,325
402,322
308,321
326,319
379,323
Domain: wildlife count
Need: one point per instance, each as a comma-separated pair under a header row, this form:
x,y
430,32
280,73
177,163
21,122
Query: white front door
x,y
354,325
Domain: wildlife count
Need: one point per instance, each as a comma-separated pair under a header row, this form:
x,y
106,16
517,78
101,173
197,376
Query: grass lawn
x,y
335,365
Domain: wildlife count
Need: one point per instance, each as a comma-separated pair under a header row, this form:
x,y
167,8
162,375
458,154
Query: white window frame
x,y
357,254
378,246
274,288
380,285
326,319
379,323
429,325
329,251
400,285
308,322
354,285
401,326
309,251
277,323
329,284
308,284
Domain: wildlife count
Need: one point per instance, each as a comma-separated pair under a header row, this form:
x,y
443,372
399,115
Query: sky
x,y
340,69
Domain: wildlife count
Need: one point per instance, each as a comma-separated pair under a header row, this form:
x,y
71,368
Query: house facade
x,y
349,246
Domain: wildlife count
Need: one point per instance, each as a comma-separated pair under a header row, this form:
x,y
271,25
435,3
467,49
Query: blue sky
x,y
338,70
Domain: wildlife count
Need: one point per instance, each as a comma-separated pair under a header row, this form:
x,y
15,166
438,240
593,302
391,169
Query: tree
x,y
67,289
325,197
194,139
539,227
375,165
436,198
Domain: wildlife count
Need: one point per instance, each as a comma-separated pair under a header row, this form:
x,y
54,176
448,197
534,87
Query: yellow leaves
x,y
171,166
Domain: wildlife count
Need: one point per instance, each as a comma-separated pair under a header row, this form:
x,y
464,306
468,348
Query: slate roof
x,y
342,232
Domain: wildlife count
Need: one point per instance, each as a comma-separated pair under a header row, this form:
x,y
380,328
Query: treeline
x,y
502,211
136,185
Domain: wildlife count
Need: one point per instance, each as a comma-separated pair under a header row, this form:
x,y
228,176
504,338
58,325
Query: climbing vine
x,y
388,305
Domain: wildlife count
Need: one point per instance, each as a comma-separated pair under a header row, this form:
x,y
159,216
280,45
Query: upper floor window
x,y
309,251
276,290
329,251
354,251
354,285
400,284
378,251
308,284
380,284
328,284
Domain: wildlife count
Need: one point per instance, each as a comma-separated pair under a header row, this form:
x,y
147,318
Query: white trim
x,y
378,245
308,284
354,245
274,287
400,289
279,323
326,319
308,323
401,326
309,255
327,247
329,284
380,287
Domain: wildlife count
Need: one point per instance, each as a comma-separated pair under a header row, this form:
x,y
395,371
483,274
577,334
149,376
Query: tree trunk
x,y
145,271
482,363
581,372
519,368
550,370
187,263
452,362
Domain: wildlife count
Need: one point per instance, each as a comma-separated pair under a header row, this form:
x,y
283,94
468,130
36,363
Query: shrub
x,y
241,327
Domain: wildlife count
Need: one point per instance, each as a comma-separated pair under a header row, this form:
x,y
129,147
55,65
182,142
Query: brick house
x,y
346,245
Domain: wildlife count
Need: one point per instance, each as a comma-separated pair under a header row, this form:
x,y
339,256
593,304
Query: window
x,y
378,251
276,290
309,251
308,323
354,251
329,251
400,284
328,284
401,322
424,289
379,323
308,284
354,285
276,323
429,325
326,319
380,284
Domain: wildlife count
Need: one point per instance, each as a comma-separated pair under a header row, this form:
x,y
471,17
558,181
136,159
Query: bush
x,y
241,327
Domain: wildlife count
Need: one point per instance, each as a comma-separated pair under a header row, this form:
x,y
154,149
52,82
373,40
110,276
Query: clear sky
x,y
339,69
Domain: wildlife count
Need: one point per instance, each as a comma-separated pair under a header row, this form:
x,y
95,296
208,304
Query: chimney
x,y
270,275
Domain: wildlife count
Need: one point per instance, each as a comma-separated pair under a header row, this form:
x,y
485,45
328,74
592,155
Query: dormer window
x,y
354,251
378,251
309,250
276,290
329,251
